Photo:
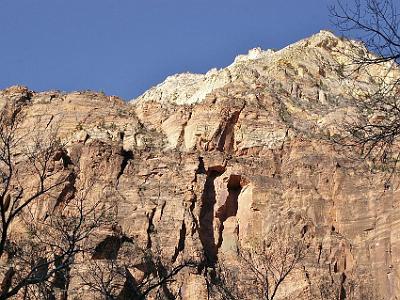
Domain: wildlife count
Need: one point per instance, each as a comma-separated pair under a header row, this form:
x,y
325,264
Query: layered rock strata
x,y
202,165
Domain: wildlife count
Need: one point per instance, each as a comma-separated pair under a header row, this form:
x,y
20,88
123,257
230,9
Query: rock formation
x,y
203,165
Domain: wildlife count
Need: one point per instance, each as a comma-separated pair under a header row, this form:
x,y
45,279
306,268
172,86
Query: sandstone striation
x,y
203,165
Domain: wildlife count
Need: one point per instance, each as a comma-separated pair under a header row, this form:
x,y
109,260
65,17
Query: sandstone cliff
x,y
202,165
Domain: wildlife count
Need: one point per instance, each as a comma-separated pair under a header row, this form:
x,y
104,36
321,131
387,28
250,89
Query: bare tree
x,y
134,274
104,279
17,161
50,248
266,269
37,251
49,221
376,22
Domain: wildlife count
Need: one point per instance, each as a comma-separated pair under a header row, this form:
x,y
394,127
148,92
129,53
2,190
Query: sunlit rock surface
x,y
202,165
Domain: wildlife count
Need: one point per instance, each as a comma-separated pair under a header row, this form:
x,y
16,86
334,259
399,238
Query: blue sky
x,y
123,47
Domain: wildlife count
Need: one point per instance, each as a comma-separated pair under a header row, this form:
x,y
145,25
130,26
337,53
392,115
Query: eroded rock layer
x,y
203,165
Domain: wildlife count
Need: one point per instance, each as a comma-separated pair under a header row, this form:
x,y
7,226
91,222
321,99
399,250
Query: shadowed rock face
x,y
202,165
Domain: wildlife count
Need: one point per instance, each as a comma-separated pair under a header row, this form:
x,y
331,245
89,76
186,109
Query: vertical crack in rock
x,y
343,295
206,230
230,207
163,204
68,191
130,287
122,136
195,223
150,228
181,244
126,157
181,138
319,252
200,170
227,133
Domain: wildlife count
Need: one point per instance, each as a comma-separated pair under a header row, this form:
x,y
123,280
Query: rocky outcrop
x,y
202,165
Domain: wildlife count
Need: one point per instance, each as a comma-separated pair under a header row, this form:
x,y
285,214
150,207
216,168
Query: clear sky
x,y
123,47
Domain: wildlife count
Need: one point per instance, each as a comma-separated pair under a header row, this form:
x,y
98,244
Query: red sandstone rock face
x,y
204,179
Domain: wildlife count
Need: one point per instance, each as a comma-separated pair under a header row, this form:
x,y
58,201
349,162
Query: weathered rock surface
x,y
202,165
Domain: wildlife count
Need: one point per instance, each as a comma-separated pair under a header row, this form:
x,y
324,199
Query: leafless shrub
x,y
135,274
341,286
260,273
37,250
